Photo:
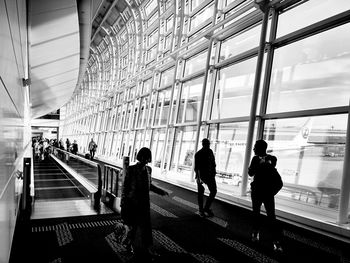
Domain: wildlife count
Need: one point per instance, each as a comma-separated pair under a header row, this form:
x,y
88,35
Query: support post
x,y
343,216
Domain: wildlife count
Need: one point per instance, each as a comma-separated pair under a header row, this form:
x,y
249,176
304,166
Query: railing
x,y
86,172
112,182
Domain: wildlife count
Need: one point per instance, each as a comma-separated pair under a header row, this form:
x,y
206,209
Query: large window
x,y
310,153
316,67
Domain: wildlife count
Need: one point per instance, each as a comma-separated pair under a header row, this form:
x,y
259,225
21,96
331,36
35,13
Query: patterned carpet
x,y
179,234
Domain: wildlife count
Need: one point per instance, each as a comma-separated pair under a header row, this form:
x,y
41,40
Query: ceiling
x,y
59,38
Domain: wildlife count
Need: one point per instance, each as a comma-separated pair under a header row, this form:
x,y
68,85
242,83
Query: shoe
x,y
255,237
201,213
277,247
208,212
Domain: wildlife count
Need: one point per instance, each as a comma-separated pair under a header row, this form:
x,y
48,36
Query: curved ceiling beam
x,y
54,54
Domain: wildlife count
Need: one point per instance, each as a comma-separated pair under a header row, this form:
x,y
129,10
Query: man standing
x,y
204,167
92,148
261,168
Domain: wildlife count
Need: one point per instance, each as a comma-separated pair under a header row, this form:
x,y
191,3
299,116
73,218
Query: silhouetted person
x,y
205,169
92,148
260,168
67,144
135,205
74,147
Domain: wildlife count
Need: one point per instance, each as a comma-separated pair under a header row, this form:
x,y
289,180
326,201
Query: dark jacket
x,y
262,169
204,163
135,201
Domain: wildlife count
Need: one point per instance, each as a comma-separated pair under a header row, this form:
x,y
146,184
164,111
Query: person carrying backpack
x,y
92,148
266,183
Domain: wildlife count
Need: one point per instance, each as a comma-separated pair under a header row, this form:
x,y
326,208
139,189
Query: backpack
x,y
276,183
267,181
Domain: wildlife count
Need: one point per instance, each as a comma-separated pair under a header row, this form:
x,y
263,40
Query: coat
x,y
135,203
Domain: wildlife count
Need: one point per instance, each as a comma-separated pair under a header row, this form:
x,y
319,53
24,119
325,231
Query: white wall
x,y
13,114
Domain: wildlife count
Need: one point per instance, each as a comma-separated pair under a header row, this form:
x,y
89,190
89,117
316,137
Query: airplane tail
x,y
303,135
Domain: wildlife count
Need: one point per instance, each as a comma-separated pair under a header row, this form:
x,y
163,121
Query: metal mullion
x,y
253,19
343,214
193,76
191,52
204,24
229,120
313,29
200,7
185,124
267,77
205,80
213,83
238,58
232,5
306,113
133,145
252,117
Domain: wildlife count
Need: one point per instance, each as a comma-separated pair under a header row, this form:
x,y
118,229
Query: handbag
x,y
121,231
277,182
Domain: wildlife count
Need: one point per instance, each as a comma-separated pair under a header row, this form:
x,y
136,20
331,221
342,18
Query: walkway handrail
x,y
65,155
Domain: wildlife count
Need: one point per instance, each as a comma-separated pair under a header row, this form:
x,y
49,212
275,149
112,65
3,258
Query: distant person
x,y
135,205
262,168
92,148
205,169
74,147
67,144
61,144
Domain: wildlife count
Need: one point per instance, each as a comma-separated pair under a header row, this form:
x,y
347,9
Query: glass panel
x,y
205,14
317,68
310,153
162,107
143,113
150,6
183,152
195,64
138,143
228,142
240,43
308,13
167,77
158,146
147,85
233,91
128,115
195,3
189,101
